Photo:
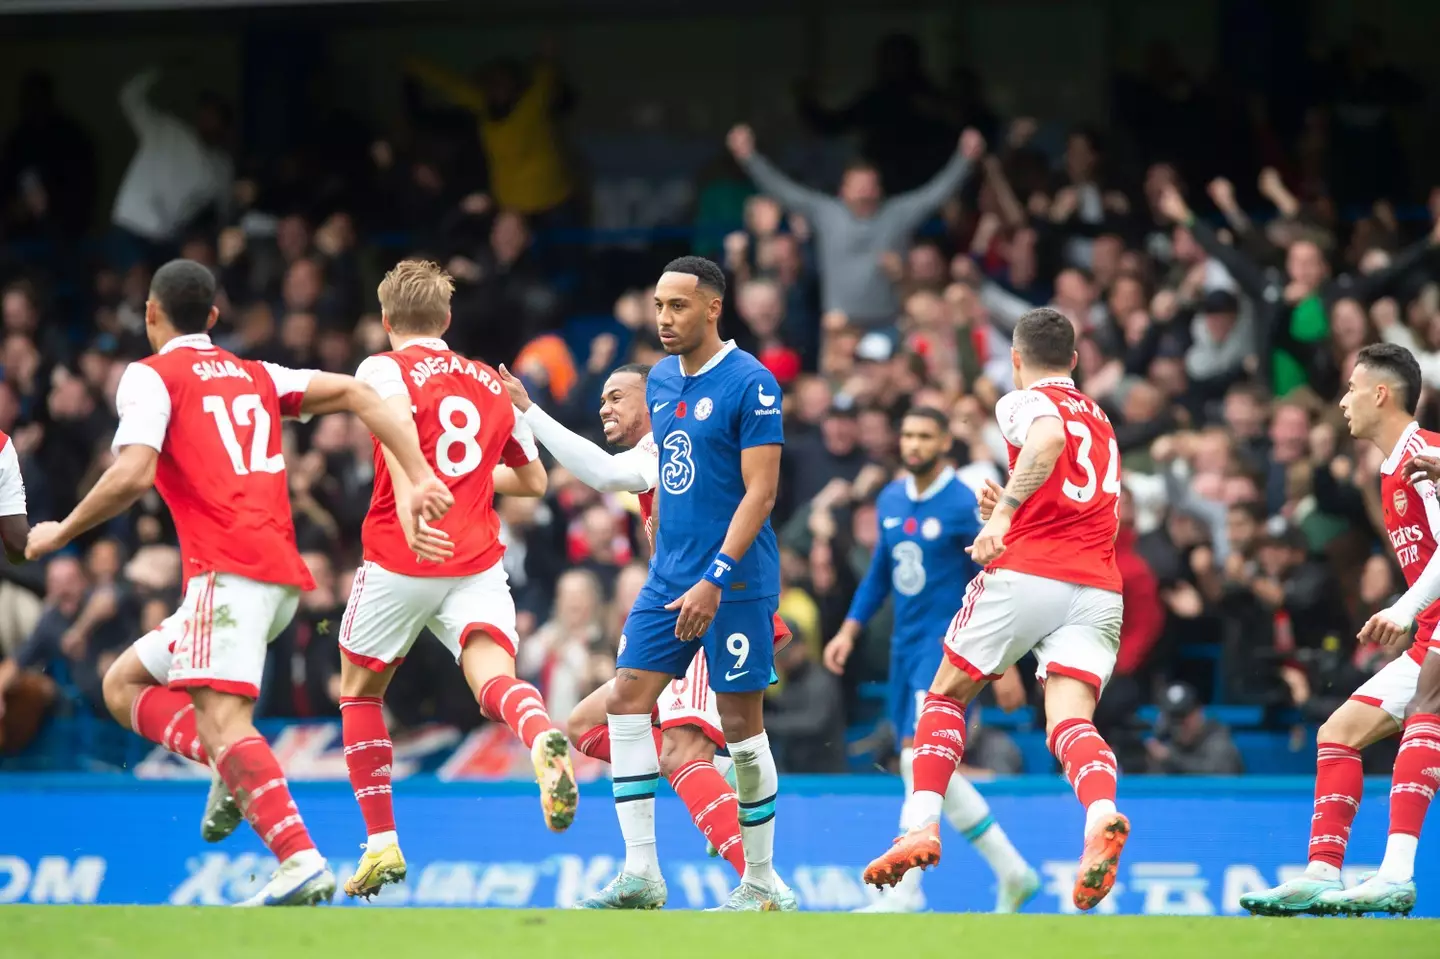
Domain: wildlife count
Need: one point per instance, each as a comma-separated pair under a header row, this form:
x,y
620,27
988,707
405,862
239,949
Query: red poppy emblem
x,y
911,526
680,410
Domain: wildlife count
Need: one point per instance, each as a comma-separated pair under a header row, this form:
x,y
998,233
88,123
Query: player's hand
x,y
1424,467
429,544
837,652
989,499
991,542
519,396
45,538
430,499
1387,627
697,610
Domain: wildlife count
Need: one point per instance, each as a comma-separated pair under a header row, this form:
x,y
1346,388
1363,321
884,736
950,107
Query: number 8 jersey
x,y
215,421
466,427
1066,529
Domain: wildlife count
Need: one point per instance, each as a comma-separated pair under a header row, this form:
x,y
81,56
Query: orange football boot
x,y
918,848
1100,861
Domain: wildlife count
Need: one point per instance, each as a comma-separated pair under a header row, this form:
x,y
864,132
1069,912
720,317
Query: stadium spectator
x,y
1187,742
854,232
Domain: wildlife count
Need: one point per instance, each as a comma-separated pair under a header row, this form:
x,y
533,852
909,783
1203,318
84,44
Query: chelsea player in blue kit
x,y
926,520
714,583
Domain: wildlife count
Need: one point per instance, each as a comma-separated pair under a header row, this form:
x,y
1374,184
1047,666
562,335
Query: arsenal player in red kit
x,y
1049,586
203,427
467,428
1380,407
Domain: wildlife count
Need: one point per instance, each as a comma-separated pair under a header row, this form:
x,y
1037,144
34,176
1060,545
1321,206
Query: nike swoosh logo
x,y
892,522
659,406
731,677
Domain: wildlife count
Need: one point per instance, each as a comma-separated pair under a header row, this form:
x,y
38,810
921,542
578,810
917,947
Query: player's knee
x,y
629,694
119,691
1423,704
681,746
1343,729
577,724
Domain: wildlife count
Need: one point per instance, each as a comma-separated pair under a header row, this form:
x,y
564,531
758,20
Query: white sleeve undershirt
x,y
620,472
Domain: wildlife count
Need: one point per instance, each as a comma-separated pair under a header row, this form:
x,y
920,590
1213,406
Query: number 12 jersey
x,y
215,421
466,426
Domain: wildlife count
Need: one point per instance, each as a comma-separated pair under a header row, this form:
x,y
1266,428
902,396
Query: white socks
x,y
1399,862
1322,870
757,783
635,771
380,840
1096,812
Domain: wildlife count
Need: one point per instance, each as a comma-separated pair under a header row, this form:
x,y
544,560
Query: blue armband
x,y
719,570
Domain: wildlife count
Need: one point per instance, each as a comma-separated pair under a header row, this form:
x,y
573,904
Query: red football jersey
x,y
466,426
12,487
1412,519
215,420
1066,529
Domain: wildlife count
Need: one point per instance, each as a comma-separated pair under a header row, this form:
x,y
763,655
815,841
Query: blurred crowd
x,y
1222,258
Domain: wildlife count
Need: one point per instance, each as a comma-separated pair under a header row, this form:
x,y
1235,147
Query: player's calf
x,y
1090,766
687,761
161,715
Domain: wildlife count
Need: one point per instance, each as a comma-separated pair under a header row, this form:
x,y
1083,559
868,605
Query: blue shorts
x,y
912,669
739,646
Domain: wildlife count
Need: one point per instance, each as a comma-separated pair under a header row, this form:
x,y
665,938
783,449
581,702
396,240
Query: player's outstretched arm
x,y
868,598
336,393
597,469
127,479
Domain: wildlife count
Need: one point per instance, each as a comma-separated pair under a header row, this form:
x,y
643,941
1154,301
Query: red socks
x,y
368,756
1339,782
1417,774
167,717
517,704
700,786
939,743
1087,759
596,742
713,806
255,780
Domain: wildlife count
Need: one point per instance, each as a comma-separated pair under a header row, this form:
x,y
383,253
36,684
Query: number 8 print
x,y
460,434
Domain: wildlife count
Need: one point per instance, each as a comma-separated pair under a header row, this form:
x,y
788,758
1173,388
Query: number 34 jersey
x,y
1066,529
215,421
466,426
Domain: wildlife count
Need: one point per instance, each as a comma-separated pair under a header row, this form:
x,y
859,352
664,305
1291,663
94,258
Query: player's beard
x,y
923,468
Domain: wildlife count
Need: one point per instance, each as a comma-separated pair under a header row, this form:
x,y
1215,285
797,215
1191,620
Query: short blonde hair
x,y
415,297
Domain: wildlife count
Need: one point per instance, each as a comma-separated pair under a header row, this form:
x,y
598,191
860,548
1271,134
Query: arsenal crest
x,y
1402,502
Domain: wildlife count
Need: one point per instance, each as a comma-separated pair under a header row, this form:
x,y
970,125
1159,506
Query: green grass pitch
x,y
73,932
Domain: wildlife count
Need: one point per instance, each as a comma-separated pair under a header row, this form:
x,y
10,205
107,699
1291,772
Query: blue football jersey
x,y
920,557
702,423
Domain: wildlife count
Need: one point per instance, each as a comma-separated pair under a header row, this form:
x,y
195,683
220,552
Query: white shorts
x,y
217,637
689,701
1073,630
1392,687
387,611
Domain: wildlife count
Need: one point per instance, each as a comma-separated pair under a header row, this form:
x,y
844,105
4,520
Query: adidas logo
x,y
954,735
677,704
382,773
1433,772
